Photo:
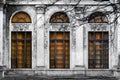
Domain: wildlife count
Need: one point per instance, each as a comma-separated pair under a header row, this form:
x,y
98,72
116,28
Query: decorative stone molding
x,y
60,26
21,26
40,9
98,26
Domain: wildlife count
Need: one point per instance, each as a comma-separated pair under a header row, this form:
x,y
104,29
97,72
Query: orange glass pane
x,y
20,35
67,36
98,17
13,45
59,17
21,17
59,35
59,66
91,36
20,59
60,61
59,51
98,45
13,36
28,35
52,35
98,36
105,36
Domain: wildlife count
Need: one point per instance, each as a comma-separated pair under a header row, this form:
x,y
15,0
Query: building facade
x,y
60,37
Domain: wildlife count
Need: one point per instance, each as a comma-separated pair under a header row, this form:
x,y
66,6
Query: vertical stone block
x,y
40,37
79,46
1,37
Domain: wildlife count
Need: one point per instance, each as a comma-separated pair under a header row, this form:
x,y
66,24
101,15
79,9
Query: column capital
x,y
40,9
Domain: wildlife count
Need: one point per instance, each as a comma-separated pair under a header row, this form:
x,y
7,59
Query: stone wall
x,y
40,13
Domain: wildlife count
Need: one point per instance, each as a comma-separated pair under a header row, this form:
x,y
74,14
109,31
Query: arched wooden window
x,y
97,17
21,43
21,17
59,17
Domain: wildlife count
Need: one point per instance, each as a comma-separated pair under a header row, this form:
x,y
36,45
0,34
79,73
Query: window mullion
x,y
89,50
24,57
14,33
102,51
55,47
107,50
30,49
16,50
64,53
94,50
89,64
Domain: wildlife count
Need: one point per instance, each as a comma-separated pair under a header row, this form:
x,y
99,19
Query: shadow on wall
x,y
119,62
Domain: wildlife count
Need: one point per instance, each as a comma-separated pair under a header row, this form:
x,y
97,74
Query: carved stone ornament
x,y
40,10
21,26
98,26
60,26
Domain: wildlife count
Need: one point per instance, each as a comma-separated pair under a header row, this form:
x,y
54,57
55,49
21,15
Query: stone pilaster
x,y
40,36
1,35
79,47
118,42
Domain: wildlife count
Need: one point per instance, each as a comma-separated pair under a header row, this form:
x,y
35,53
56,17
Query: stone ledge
x,y
59,72
59,78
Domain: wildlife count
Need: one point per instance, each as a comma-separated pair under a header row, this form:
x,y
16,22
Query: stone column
x,y
40,37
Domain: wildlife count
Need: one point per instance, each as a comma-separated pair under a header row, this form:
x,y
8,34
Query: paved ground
x,y
57,78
